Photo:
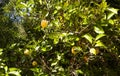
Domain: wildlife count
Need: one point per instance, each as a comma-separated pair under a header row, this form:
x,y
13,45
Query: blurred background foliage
x,y
59,38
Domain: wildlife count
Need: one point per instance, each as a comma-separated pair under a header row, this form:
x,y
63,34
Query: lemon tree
x,y
59,38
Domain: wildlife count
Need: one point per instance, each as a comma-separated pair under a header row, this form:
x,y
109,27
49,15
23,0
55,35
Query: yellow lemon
x,y
94,51
26,52
73,51
34,63
44,23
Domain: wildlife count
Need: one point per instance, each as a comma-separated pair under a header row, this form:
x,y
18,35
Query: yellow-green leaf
x,y
88,37
98,29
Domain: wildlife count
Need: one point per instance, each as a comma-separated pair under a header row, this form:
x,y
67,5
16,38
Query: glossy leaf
x,y
110,15
80,71
88,37
1,51
98,29
111,21
16,73
115,11
99,44
99,36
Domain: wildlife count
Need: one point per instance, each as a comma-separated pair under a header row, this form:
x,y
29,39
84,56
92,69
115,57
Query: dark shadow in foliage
x,y
114,3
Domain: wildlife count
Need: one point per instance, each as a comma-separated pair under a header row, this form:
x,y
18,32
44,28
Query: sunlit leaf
x,y
1,51
54,35
66,4
23,5
100,44
88,37
55,12
15,73
113,10
13,69
98,29
35,69
111,21
79,71
58,7
43,49
54,63
46,48
30,2
76,49
56,41
110,15
99,36
103,5
6,68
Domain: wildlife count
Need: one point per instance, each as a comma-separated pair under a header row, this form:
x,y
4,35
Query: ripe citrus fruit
x,y
34,63
73,51
94,51
44,23
26,52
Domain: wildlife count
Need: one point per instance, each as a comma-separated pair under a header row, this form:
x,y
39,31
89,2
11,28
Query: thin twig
x,y
44,63
82,30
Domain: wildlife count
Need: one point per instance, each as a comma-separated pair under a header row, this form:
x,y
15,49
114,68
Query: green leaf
x,y
58,7
111,21
99,36
103,5
115,11
99,44
43,49
55,12
54,35
110,15
77,48
2,74
79,72
15,73
98,29
30,2
56,41
88,37
1,51
54,63
6,69
35,69
46,48
23,5
13,69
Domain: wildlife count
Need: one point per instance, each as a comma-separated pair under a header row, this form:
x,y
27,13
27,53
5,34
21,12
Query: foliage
x,y
66,38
